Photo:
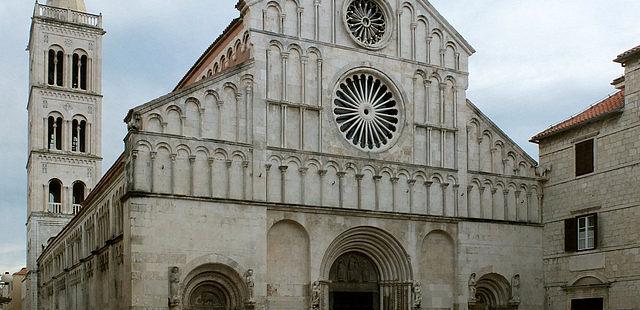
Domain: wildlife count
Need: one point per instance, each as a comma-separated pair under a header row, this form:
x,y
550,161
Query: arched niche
x,y
493,292
214,286
287,265
437,270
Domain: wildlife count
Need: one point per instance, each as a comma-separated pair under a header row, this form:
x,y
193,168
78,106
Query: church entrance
x,y
354,283
587,304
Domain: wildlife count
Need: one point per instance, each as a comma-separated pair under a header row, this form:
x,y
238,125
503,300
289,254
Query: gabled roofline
x,y
539,139
501,132
234,23
180,92
448,27
583,118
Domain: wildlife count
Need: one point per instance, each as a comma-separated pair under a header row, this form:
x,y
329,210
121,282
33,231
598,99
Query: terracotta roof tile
x,y
22,272
607,106
628,54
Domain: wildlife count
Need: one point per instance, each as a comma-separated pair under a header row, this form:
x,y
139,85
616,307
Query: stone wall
x,y
612,271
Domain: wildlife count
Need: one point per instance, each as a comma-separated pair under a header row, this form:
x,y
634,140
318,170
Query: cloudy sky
x,y
537,62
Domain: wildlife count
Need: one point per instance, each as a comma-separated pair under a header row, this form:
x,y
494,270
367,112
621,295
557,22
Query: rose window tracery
x,y
367,22
367,111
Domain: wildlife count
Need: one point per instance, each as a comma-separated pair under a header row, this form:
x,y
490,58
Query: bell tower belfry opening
x,y
65,122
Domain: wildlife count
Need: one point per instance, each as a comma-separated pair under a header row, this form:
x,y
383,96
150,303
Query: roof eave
x,y
539,137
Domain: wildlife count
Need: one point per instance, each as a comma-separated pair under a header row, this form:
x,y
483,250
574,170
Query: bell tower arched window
x,y
78,196
54,133
79,71
55,196
55,70
79,136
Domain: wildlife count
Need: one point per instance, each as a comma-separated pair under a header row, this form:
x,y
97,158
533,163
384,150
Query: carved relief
x,y
174,290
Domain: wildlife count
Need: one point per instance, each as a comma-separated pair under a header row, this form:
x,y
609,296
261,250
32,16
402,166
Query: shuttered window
x,y
581,233
584,158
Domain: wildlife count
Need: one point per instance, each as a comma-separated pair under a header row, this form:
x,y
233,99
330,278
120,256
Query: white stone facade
x,y
65,53
241,190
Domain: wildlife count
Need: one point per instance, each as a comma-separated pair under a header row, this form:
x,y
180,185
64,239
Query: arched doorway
x,y
214,287
365,268
354,284
493,293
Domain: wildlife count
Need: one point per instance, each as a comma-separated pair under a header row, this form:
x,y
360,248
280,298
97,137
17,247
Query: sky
x,y
537,63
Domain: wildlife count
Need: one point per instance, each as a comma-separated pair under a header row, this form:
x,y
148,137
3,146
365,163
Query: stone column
x,y
394,185
517,193
411,184
173,173
283,183
444,198
359,181
210,162
237,120
227,190
192,175
376,184
456,189
341,175
493,203
413,40
427,185
245,177
482,189
267,168
153,166
322,173
316,20
506,204
303,181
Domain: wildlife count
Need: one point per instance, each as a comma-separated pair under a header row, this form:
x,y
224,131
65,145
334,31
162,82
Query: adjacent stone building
x,y
320,154
592,201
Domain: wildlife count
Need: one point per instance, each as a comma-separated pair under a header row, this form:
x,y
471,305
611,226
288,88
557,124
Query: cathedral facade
x,y
320,154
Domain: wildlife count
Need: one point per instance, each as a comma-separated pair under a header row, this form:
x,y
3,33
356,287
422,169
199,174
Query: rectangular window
x,y
584,157
581,233
586,231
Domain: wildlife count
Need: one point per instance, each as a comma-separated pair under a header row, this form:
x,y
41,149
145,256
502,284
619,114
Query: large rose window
x,y
367,111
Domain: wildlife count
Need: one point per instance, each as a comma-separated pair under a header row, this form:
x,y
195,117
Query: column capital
x,y
283,168
173,157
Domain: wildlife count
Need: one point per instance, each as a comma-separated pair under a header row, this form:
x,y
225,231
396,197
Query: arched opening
x,y
493,293
78,196
214,287
79,71
354,282
79,141
55,196
55,68
54,133
374,261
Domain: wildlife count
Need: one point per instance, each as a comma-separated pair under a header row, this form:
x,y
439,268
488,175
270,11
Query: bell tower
x,y
65,122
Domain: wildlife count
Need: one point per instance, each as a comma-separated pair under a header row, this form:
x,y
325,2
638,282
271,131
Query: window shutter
x,y
571,235
595,231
